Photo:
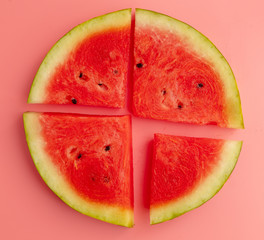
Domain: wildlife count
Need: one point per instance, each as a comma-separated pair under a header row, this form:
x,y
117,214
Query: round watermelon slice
x,y
87,66
187,172
180,76
86,161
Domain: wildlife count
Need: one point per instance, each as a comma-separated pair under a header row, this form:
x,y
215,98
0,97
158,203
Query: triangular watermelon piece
x,y
87,66
86,161
180,76
186,172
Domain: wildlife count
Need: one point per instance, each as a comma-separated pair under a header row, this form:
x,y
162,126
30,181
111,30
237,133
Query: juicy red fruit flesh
x,y
180,164
94,155
172,83
95,73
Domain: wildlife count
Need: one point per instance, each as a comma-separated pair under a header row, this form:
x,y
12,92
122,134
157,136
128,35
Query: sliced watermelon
x,y
88,66
180,76
186,172
86,161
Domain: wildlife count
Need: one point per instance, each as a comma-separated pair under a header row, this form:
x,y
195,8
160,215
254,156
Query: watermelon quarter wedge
x,y
87,66
86,161
180,76
187,172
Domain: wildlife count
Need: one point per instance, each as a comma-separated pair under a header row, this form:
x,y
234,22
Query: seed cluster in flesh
x,y
172,83
95,73
94,160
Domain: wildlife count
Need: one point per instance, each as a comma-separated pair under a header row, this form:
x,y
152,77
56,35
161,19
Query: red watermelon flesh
x,y
95,74
186,172
86,160
180,76
175,98
88,66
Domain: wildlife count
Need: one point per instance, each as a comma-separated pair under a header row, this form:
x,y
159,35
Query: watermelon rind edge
x,y
58,184
204,46
205,191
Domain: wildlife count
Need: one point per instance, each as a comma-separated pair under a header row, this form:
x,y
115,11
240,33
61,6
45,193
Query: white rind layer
x,y
205,49
204,190
58,184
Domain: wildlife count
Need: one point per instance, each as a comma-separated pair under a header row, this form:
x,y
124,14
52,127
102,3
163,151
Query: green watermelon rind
x,y
65,45
204,48
58,184
204,191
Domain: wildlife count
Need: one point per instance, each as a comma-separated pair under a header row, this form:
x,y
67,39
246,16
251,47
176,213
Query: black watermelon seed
x,y
83,76
79,156
200,85
139,65
107,148
180,106
102,86
74,101
163,91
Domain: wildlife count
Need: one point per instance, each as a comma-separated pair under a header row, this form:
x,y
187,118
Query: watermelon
x,y
86,161
87,66
186,172
180,76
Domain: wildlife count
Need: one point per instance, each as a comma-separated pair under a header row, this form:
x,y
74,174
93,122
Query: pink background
x,y
30,211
